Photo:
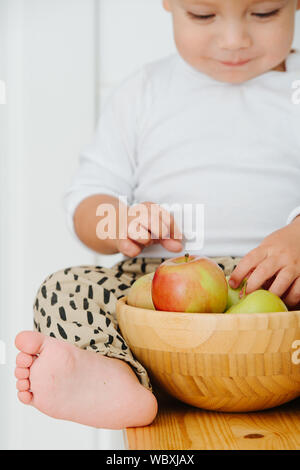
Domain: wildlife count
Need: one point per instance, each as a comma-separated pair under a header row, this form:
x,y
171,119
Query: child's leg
x,y
227,263
58,369
76,307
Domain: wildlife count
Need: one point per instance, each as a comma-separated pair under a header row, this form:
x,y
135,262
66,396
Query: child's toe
x,y
23,385
21,373
25,397
23,360
29,342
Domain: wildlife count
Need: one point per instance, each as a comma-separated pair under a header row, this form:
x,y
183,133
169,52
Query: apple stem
x,y
243,291
186,257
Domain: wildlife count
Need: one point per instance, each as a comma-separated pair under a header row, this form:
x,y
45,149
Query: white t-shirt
x,y
170,134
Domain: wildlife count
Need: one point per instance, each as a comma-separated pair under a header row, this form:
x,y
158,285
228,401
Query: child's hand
x,y
274,265
153,229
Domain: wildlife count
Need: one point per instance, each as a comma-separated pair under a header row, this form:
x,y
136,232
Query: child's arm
x,y
85,223
130,240
278,256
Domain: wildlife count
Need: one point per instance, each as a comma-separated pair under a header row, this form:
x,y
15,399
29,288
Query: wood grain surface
x,y
182,427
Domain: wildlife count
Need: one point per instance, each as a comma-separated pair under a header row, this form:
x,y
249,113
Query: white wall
x,y
58,65
60,59
49,114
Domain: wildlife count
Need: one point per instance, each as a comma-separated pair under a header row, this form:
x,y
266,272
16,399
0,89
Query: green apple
x,y
234,294
259,301
139,294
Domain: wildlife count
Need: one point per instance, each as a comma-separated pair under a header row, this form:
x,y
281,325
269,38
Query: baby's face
x,y
234,40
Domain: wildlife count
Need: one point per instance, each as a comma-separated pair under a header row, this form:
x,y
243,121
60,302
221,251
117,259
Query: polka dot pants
x,y
78,304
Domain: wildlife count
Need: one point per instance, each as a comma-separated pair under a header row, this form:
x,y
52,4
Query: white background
x,y
60,59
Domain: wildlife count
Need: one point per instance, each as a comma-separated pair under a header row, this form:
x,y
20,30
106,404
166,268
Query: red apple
x,y
194,284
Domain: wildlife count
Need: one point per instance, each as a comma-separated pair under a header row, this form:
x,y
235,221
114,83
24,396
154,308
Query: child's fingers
x,y
175,233
168,218
268,283
156,219
150,223
266,269
129,248
248,263
159,222
138,232
172,245
139,222
132,249
149,216
170,240
293,296
283,281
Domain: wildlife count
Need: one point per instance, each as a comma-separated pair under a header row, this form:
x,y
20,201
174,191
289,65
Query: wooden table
x,y
183,427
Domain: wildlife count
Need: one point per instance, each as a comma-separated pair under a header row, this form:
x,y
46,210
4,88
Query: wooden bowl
x,y
223,362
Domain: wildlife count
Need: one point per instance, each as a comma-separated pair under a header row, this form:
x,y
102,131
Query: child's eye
x,y
201,17
258,15
267,15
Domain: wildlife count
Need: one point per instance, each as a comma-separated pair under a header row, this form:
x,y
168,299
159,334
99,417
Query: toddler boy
x,y
213,124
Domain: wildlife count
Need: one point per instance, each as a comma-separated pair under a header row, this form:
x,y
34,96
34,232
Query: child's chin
x,y
234,77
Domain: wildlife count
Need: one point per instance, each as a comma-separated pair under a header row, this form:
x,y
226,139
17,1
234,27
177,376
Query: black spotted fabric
x,y
78,304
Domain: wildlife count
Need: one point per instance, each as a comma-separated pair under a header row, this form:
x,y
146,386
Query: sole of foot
x,y
68,383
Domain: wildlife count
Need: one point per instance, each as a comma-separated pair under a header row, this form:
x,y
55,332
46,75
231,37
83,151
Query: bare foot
x,y
68,383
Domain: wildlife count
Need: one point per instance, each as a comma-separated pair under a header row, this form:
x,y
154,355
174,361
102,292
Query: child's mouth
x,y
236,64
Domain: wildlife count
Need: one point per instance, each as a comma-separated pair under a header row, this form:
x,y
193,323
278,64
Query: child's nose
x,y
234,36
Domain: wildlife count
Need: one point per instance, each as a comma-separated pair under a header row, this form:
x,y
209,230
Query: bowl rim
x,y
123,300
